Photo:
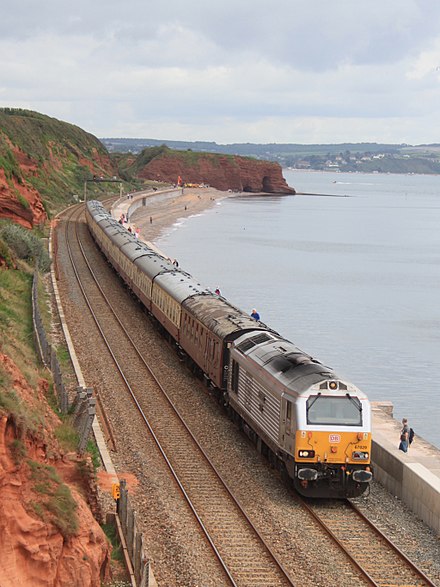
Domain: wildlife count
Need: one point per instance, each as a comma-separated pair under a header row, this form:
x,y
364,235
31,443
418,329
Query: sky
x,y
230,71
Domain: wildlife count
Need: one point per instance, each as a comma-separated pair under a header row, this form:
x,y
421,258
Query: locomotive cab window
x,y
344,411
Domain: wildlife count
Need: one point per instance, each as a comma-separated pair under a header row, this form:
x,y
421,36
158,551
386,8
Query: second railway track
x,y
381,561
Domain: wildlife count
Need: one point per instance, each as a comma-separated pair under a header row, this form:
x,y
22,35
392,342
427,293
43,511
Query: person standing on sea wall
x,y
404,436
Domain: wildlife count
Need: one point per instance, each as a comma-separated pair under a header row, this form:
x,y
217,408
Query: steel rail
x,y
391,545
310,508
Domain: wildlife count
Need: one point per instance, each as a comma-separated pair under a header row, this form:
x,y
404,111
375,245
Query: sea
x,y
348,269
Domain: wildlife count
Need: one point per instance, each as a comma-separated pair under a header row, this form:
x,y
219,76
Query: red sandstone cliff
x,y
223,172
44,159
34,551
19,201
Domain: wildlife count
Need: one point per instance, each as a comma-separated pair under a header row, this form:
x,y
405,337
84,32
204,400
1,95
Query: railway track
x,y
379,560
244,555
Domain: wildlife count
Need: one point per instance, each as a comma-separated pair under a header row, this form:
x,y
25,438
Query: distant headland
x,y
349,157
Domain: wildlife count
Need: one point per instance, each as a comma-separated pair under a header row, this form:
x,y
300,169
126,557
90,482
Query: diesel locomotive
x,y
314,426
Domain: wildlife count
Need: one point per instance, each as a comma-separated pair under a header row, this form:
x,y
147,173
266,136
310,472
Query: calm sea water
x,y
352,277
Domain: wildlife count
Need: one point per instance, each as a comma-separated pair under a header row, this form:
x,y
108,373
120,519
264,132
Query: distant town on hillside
x,y
345,157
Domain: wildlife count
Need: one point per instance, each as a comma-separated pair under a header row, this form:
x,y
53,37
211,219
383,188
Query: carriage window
x,y
344,411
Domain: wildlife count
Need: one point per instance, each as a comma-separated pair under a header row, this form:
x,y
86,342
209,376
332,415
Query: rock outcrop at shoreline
x,y
223,172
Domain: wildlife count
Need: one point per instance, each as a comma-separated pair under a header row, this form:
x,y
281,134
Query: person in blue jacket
x,y
255,315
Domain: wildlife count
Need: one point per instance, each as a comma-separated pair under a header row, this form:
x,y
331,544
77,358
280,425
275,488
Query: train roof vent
x,y
245,345
251,342
261,337
283,363
299,358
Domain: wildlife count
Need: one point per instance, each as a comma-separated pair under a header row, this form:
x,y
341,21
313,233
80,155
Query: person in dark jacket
x,y
404,436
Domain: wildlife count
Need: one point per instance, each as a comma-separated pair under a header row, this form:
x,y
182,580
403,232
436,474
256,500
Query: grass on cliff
x,y
63,156
54,502
19,243
16,329
17,342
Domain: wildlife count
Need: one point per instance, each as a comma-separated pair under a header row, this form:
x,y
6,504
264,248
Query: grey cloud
x,y
246,66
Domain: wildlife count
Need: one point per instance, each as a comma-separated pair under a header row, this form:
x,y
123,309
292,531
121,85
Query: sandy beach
x,y
165,214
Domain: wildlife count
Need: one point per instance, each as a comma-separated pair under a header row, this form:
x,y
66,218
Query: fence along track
x,y
371,551
243,553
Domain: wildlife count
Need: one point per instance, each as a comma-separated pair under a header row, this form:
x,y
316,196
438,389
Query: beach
x,y
164,214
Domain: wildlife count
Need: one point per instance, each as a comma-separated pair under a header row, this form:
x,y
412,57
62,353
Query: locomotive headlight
x,y
306,454
359,455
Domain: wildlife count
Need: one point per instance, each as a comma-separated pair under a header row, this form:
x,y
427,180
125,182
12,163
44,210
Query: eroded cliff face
x,y
223,172
44,159
20,202
38,546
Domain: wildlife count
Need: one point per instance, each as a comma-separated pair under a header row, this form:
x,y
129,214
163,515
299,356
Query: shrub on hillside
x,y
25,245
6,255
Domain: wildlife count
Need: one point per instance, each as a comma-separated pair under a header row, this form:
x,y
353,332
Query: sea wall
x,y
413,477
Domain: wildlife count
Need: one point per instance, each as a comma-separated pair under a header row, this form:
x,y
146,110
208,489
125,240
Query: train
x,y
313,426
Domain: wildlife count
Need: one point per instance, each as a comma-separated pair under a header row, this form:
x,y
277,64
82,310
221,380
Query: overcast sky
x,y
278,71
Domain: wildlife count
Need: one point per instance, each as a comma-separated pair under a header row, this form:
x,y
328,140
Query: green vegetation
x,y
52,156
148,155
67,436
40,136
6,254
44,305
26,419
10,165
24,244
93,451
112,535
18,451
56,503
16,328
63,355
